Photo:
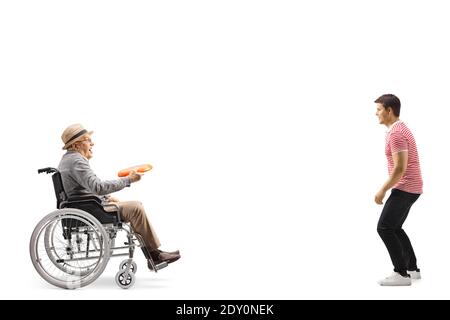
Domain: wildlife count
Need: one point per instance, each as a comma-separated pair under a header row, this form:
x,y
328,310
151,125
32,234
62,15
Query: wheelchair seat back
x,y
60,194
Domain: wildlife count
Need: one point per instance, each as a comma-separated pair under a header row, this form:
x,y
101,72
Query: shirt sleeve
x,y
86,177
398,143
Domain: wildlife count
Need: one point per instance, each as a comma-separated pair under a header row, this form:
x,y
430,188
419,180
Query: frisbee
x,y
139,169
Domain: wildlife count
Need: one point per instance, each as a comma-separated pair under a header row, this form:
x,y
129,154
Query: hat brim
x,y
77,139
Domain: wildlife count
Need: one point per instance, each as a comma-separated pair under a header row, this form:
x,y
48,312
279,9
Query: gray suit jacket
x,y
79,179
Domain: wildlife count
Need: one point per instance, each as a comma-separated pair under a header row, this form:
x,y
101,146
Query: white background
x,y
259,120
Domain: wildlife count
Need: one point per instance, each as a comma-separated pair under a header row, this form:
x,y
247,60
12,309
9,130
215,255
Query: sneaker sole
x,y
395,285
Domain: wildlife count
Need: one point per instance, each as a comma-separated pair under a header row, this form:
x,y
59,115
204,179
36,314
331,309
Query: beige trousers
x,y
134,213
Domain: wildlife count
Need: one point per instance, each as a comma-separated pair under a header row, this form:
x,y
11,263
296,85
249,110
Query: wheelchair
x,y
71,246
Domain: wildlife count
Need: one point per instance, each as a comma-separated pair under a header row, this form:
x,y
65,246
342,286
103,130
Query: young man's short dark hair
x,y
390,101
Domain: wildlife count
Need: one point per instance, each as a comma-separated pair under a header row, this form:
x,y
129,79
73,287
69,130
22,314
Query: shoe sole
x,y
405,284
172,252
167,260
395,285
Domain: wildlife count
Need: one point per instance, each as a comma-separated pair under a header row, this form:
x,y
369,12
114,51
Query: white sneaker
x,y
396,279
415,275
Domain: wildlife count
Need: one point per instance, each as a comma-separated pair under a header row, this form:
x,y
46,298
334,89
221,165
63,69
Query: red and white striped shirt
x,y
399,138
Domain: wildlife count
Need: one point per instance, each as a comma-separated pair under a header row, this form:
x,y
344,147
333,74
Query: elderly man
x,y
79,179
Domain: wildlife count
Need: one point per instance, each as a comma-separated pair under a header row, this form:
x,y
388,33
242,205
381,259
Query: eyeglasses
x,y
89,140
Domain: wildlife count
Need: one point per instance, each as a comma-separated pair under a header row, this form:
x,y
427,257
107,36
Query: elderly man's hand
x,y
134,176
113,200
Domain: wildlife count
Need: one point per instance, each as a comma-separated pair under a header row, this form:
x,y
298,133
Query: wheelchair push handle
x,y
47,170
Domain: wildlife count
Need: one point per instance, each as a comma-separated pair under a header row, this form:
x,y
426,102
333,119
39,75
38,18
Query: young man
x,y
405,179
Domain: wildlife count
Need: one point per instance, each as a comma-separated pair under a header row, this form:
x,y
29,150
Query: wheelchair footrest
x,y
161,265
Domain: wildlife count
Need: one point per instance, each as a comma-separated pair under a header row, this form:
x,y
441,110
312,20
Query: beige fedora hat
x,y
72,134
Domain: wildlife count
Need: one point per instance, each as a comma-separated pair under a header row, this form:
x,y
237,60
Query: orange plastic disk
x,y
139,169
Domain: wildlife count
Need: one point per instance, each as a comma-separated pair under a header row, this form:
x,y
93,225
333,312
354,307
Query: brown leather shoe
x,y
167,257
163,257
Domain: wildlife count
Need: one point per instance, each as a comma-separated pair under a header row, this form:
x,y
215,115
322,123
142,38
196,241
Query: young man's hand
x,y
380,196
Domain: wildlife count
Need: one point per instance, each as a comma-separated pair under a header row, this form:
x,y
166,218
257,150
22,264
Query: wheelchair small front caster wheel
x,y
124,265
123,281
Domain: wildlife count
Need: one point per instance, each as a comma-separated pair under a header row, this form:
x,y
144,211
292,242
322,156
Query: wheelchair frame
x,y
81,230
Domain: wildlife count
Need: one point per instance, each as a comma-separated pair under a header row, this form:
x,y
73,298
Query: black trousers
x,y
389,228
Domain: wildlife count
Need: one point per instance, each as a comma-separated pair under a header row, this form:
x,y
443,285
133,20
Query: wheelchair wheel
x,y
125,281
124,264
69,248
57,252
79,242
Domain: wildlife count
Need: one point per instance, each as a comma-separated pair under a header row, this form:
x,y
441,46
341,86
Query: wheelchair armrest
x,y
116,209
84,198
